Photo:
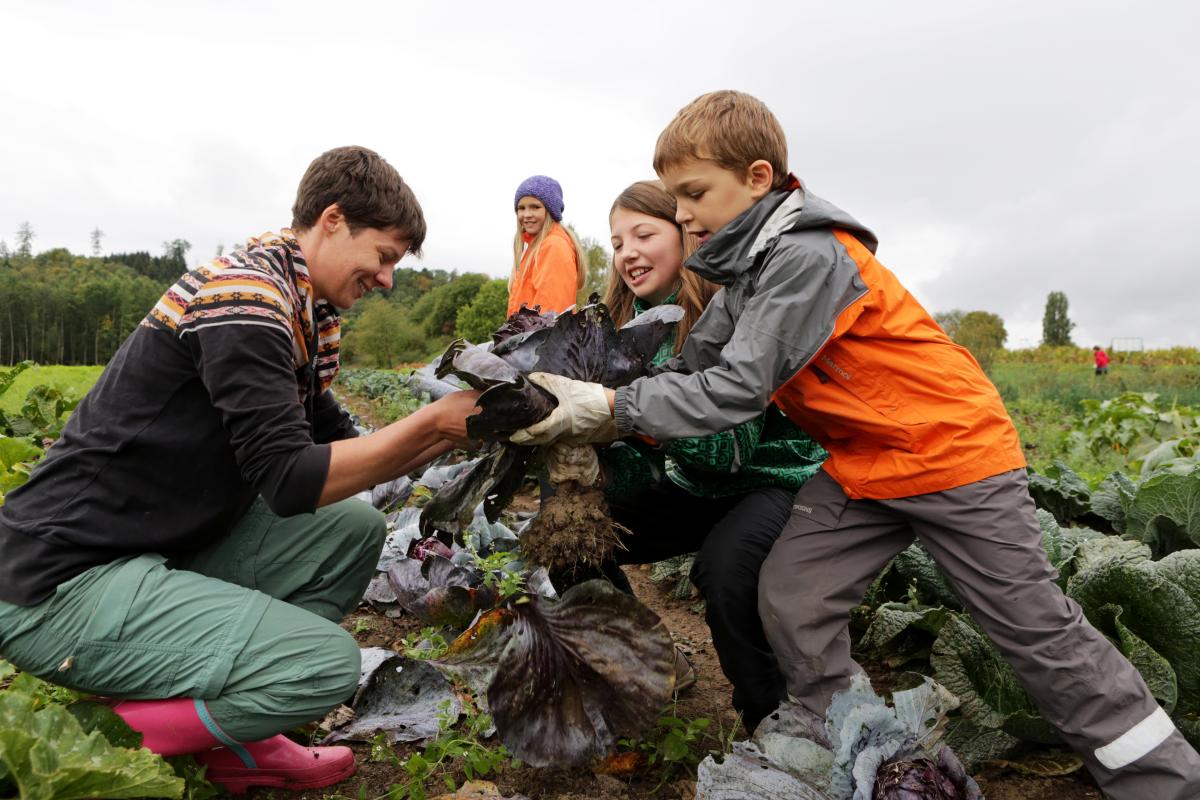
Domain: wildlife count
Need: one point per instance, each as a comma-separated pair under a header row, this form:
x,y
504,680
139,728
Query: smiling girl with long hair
x,y
548,262
725,497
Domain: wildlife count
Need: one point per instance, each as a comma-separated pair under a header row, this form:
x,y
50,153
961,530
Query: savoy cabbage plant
x,y
1149,609
46,753
863,749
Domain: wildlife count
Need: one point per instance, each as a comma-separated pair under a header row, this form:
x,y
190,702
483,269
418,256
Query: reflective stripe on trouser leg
x,y
986,538
1137,741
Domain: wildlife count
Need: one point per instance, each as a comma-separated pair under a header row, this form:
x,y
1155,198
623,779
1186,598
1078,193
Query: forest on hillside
x,y
58,307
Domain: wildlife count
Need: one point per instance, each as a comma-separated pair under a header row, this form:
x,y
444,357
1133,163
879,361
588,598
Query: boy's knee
x,y
770,575
777,607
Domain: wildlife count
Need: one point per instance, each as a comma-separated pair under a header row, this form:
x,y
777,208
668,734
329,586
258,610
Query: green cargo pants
x,y
249,624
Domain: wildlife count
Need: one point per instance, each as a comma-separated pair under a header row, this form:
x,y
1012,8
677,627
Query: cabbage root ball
x,y
572,530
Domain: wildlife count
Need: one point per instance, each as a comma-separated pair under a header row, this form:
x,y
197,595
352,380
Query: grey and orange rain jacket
x,y
810,320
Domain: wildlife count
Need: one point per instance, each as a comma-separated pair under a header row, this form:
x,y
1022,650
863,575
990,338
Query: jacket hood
x,y
731,250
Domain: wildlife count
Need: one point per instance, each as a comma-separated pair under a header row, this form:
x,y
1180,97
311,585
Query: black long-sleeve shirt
x,y
167,451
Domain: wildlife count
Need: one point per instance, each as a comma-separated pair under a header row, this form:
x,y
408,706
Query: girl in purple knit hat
x,y
548,261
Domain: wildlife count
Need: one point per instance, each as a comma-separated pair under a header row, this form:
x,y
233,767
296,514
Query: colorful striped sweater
x,y
207,405
266,283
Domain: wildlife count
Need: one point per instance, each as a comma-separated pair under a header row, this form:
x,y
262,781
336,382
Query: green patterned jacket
x,y
766,451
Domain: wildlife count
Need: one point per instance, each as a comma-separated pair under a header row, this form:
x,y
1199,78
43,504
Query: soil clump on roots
x,y
573,530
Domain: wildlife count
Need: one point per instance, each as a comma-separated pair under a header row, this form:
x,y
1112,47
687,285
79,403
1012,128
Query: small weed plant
x,y
502,572
425,644
454,748
676,745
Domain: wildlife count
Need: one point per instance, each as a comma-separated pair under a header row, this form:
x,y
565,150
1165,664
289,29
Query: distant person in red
x,y
1101,359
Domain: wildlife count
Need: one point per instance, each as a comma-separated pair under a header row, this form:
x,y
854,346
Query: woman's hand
x,y
451,417
359,463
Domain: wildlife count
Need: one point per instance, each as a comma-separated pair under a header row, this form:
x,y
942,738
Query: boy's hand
x,y
452,412
583,413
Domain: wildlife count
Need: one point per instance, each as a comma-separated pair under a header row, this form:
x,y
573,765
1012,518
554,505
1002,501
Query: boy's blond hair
x,y
730,128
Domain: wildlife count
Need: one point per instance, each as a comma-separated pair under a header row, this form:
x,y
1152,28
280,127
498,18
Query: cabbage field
x,y
487,675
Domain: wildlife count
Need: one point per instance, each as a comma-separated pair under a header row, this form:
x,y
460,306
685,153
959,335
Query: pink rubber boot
x,y
182,725
277,762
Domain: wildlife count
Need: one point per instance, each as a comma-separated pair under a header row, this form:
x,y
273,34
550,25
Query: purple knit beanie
x,y
545,189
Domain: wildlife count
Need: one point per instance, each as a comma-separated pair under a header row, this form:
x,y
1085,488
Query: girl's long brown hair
x,y
652,198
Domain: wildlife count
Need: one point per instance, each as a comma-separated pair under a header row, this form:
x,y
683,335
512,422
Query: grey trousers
x,y
986,539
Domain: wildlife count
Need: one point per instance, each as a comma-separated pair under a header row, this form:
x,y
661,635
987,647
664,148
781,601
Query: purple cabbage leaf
x,y
403,697
439,592
525,320
587,346
573,675
491,480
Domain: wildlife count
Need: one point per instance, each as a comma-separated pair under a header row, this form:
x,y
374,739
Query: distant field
x,y
68,380
1067,384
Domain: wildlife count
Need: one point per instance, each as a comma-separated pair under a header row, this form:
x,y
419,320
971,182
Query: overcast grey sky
x,y
999,150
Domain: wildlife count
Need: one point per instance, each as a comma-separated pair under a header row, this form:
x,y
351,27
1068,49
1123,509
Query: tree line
x,y
61,308
57,307
426,309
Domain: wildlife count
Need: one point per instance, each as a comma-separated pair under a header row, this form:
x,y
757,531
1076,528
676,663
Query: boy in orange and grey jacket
x,y
919,443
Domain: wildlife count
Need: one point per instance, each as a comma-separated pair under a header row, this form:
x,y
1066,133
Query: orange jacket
x,y
902,409
547,278
809,319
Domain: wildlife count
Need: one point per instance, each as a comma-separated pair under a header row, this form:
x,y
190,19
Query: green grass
x,y
74,381
1043,426
1067,384
1044,402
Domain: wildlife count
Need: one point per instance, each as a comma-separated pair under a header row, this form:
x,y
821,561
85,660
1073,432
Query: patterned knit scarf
x,y
265,283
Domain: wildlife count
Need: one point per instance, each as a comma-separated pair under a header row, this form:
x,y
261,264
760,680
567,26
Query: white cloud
x,y
1000,150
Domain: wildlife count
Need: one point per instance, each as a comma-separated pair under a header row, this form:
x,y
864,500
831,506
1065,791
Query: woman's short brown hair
x,y
368,190
730,128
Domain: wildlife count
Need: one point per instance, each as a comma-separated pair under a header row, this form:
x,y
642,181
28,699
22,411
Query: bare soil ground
x,y
709,699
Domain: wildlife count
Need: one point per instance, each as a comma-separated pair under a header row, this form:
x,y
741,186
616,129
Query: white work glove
x,y
572,462
582,414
